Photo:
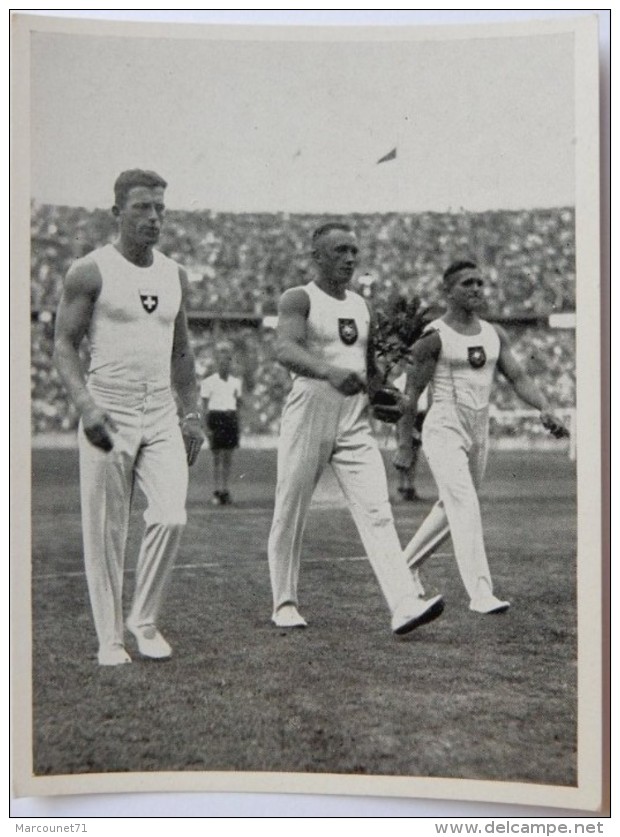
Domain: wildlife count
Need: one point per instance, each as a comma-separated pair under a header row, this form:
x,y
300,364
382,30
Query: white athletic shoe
x,y
150,642
414,612
113,655
488,604
287,616
483,600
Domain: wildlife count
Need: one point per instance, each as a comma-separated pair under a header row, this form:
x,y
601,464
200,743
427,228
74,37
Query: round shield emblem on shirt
x,y
477,356
347,329
149,301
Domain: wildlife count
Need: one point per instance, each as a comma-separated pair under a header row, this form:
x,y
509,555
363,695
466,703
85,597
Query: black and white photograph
x,y
312,500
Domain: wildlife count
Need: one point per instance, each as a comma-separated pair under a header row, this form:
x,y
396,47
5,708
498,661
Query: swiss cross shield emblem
x,y
477,356
149,301
347,329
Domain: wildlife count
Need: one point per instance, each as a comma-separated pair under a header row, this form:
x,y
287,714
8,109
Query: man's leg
x,y
406,487
359,468
434,528
106,481
226,454
216,453
449,462
162,474
431,534
484,600
306,440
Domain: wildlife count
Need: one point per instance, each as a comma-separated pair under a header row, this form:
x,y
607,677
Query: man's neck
x,y
466,322
331,287
139,254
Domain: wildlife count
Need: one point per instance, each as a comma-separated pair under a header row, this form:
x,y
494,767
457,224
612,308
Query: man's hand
x,y
553,424
388,404
403,457
97,426
193,437
345,381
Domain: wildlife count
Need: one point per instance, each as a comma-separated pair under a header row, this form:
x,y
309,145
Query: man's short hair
x,y
328,227
131,178
456,267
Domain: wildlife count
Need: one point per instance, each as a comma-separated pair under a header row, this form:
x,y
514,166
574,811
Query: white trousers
x,y
320,427
148,451
455,442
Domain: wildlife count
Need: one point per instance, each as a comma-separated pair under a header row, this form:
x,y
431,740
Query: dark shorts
x,y
223,430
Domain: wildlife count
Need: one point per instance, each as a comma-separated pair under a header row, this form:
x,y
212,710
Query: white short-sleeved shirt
x,y
222,395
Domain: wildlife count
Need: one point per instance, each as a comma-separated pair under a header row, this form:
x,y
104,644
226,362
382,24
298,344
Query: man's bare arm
x,y
420,371
525,386
81,290
183,367
183,375
291,345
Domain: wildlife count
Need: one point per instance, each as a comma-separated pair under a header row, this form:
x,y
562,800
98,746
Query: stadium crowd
x,y
240,263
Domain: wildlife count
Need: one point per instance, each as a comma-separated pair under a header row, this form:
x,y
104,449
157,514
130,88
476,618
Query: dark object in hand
x,y
387,404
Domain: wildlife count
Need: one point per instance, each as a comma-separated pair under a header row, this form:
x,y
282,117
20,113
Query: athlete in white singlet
x,y
457,358
128,299
323,338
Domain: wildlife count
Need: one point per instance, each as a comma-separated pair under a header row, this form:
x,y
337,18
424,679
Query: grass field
x,y
468,696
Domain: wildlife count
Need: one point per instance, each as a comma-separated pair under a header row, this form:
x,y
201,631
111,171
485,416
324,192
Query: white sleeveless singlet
x,y
466,365
132,325
337,329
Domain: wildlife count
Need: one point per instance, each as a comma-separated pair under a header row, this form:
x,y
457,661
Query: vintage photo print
x,y
348,275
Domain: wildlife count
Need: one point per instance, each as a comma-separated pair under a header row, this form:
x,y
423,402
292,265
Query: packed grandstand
x,y
240,263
